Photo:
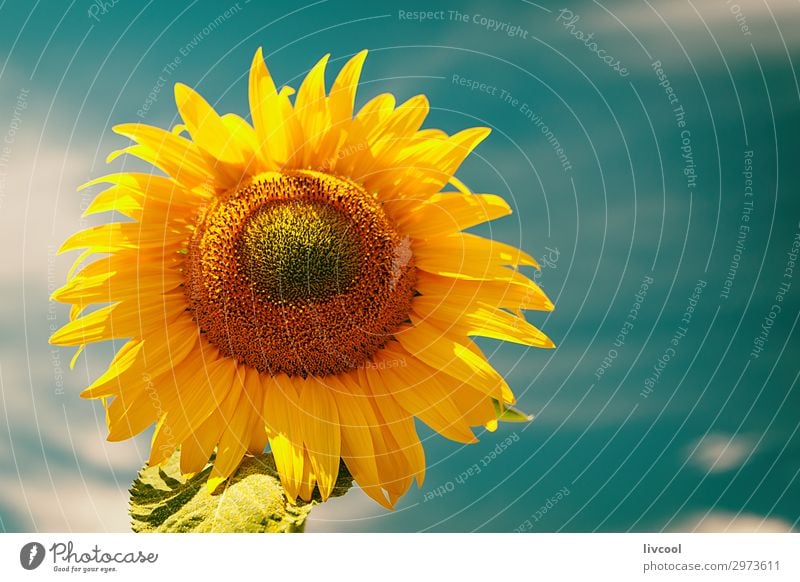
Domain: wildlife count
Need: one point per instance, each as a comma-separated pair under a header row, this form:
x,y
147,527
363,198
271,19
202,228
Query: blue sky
x,y
711,443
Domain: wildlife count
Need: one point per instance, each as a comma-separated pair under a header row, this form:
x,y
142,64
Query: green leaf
x,y
506,413
251,501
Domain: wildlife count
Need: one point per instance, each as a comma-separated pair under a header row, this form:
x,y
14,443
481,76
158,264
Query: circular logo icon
x,y
31,555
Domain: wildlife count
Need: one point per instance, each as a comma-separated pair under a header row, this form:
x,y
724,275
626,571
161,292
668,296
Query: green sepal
x,y
506,413
252,500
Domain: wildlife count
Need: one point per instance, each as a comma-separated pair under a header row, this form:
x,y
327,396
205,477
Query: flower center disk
x,y
297,250
299,272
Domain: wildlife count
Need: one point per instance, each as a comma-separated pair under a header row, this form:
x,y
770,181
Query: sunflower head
x,y
299,281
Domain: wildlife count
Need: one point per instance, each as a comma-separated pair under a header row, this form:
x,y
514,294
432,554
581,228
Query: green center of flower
x,y
295,250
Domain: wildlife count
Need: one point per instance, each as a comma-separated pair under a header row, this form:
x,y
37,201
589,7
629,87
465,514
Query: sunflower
x,y
301,282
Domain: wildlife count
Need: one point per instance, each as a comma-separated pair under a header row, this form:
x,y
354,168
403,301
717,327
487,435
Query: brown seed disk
x,y
300,272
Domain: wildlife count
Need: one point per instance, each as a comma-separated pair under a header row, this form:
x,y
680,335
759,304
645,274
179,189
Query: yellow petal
x,y
445,213
126,357
308,481
153,356
390,462
397,428
132,193
478,320
120,320
342,141
199,390
311,109
257,434
476,407
131,413
197,448
262,88
358,451
286,142
322,436
343,93
375,111
110,287
425,166
406,119
119,199
441,352
273,117
281,417
119,236
206,126
417,388
467,256
505,294
244,138
234,440
175,155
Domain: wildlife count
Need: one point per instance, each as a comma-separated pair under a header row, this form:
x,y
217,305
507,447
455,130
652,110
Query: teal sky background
x,y
709,443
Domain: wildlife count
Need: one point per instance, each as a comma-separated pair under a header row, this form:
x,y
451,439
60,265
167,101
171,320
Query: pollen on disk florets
x,y
300,272
295,250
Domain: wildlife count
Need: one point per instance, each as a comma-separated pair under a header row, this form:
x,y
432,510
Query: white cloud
x,y
738,27
736,16
69,504
40,205
682,12
717,453
55,445
726,522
